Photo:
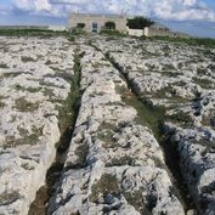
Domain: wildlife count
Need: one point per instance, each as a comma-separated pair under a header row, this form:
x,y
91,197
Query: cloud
x,y
162,9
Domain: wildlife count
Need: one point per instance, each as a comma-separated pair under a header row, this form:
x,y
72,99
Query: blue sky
x,y
196,17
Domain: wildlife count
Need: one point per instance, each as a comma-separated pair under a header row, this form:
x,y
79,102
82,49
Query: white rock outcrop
x,y
32,86
114,165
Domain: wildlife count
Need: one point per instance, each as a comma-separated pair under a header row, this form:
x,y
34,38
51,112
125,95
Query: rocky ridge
x,y
114,165
138,98
34,84
181,79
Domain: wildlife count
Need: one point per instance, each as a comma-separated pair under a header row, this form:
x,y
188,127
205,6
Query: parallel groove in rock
x,y
111,161
68,116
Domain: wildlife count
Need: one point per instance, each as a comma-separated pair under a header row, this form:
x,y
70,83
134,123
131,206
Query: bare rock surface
x,y
33,85
181,79
114,164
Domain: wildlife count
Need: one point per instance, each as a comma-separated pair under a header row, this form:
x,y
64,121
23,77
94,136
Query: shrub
x,y
110,25
139,22
80,25
111,32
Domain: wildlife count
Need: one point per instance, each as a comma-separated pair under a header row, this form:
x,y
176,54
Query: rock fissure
x,y
113,158
67,118
154,116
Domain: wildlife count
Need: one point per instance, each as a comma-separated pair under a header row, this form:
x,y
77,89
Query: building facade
x,y
95,23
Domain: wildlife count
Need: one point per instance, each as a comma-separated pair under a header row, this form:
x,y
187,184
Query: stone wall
x,y
150,32
88,19
135,32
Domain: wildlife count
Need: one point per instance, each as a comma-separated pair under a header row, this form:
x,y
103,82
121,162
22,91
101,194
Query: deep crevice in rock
x,y
67,119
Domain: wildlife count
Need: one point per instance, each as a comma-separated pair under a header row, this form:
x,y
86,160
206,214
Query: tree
x,y
80,25
110,25
139,22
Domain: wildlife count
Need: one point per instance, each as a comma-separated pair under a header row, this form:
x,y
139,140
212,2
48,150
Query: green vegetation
x,y
139,22
207,42
27,139
80,25
106,132
68,112
11,74
48,92
110,25
82,152
26,59
29,89
108,184
31,32
136,199
25,106
112,32
147,114
2,104
126,160
30,139
3,66
204,83
181,118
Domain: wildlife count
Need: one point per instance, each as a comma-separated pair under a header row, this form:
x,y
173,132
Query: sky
x,y
195,17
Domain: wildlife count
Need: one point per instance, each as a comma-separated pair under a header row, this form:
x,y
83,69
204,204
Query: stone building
x,y
95,23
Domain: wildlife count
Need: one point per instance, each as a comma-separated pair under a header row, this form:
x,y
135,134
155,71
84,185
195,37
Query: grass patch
x,y
2,104
3,66
105,134
82,152
44,33
165,92
29,89
26,59
181,118
68,113
207,42
48,84
137,201
147,114
108,184
126,160
48,92
11,74
204,83
27,139
25,106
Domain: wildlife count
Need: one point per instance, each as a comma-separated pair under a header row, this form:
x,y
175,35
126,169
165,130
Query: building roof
x,y
97,15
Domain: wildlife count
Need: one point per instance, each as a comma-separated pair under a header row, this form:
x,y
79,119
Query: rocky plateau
x,y
130,122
